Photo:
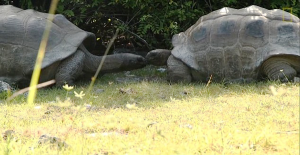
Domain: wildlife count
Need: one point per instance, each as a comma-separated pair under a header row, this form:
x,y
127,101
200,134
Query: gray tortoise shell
x,y
21,33
233,43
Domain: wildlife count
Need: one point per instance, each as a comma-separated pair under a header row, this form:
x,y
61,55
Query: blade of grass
x,y
41,53
102,61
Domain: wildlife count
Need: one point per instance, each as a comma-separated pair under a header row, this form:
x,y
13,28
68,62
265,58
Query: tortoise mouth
x,y
141,62
133,64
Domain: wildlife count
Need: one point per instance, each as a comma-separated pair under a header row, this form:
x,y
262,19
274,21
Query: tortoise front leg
x,y
178,71
277,68
70,69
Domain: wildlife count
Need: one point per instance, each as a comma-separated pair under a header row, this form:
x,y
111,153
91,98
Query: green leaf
x,y
69,13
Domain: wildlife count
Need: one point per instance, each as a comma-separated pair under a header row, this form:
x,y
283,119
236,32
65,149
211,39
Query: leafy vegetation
x,y
145,24
153,117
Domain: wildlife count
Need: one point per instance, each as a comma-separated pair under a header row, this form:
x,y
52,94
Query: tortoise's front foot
x,y
178,71
70,69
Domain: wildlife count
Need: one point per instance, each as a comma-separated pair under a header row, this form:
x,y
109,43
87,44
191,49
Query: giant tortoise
x,y
235,45
67,53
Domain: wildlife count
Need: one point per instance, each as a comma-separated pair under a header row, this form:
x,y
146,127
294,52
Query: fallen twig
x,y
41,85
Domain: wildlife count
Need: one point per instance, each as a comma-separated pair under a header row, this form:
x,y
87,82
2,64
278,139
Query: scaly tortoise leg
x,y
178,71
279,69
70,69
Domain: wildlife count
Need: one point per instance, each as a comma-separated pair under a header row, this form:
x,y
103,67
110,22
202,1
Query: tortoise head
x,y
178,39
132,61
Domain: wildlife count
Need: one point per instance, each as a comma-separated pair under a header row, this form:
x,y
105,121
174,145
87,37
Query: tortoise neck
x,y
92,62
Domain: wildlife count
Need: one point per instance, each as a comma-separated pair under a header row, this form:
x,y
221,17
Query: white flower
x,y
80,95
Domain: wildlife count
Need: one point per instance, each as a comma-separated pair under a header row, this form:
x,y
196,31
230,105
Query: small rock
x,y
4,86
162,70
5,90
296,79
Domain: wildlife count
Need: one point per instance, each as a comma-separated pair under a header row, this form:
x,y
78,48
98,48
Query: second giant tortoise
x,y
67,53
235,45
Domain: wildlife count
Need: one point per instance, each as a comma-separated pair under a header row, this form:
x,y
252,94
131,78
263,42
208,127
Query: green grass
x,y
154,117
